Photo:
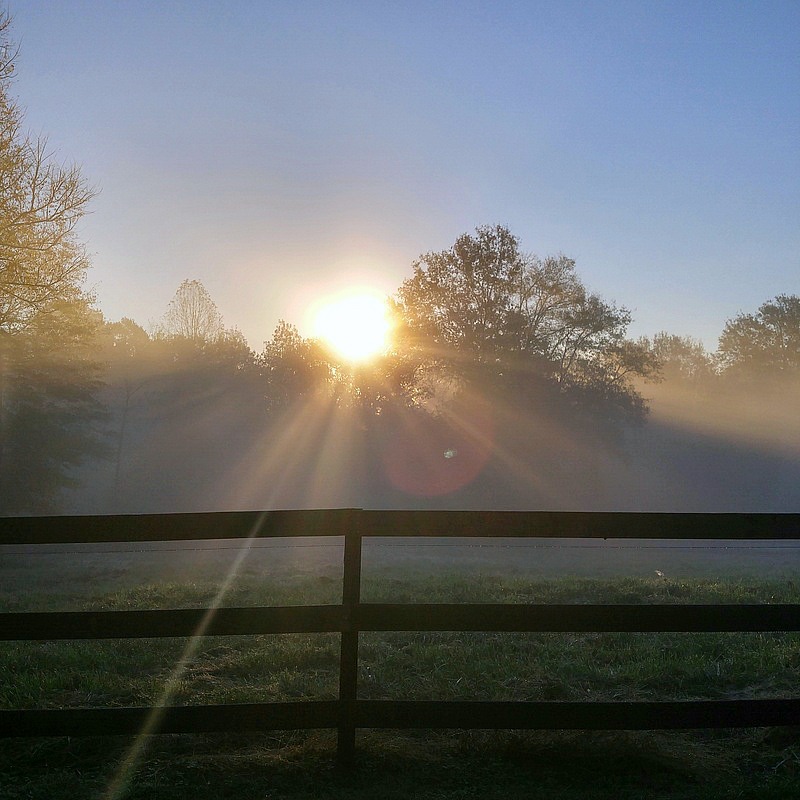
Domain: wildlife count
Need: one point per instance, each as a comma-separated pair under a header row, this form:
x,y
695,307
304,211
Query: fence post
x,y
348,661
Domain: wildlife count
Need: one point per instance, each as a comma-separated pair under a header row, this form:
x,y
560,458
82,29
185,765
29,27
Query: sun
x,y
354,324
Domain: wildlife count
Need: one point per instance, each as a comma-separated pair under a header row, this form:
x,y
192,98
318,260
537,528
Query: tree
x,y
295,367
126,347
48,376
193,335
51,410
126,337
681,357
461,301
41,259
684,366
484,307
765,344
192,314
173,400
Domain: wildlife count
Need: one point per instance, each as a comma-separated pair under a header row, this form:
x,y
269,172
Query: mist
x,y
735,448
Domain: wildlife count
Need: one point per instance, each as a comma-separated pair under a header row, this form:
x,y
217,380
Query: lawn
x,y
758,763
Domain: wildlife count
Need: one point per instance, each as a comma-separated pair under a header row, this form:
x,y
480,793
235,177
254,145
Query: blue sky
x,y
279,151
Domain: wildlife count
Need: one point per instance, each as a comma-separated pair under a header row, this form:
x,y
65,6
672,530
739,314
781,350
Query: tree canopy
x,y
764,344
294,367
50,406
41,201
486,304
48,376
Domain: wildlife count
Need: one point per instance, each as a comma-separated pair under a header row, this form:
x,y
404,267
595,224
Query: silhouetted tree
x,y
126,337
179,408
765,344
684,365
462,302
681,357
128,352
485,310
294,367
195,356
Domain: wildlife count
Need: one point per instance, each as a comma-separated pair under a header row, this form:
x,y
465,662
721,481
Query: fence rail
x,y
341,521
348,713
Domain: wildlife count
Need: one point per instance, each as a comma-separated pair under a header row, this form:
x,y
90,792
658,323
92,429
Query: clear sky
x,y
279,150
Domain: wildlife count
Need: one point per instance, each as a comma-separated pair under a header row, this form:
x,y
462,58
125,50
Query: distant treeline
x,y
506,384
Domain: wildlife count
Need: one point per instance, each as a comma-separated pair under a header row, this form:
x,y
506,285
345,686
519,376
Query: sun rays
x,y
321,452
120,781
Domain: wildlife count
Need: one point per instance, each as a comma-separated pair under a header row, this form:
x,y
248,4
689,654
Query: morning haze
x,y
505,386
513,365
477,257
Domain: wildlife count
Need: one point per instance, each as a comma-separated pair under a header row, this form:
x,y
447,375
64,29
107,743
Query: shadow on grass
x,y
420,764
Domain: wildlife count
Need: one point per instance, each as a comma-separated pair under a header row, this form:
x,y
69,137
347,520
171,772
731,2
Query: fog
x,y
728,449
735,449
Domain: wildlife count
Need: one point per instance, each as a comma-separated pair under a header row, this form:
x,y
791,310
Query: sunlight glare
x,y
355,325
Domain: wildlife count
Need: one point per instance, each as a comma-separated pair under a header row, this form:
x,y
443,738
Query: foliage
x,y
191,357
41,259
485,308
170,398
765,344
50,408
390,380
48,380
681,357
685,369
461,301
192,341
126,337
294,367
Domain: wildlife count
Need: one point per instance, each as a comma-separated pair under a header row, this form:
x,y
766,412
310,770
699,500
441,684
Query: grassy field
x,y
761,763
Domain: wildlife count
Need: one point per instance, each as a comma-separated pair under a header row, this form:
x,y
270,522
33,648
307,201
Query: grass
x,y
760,763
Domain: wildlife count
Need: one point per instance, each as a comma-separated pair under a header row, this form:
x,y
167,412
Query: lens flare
x,y
435,456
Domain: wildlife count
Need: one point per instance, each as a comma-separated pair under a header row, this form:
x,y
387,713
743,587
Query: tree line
x,y
484,335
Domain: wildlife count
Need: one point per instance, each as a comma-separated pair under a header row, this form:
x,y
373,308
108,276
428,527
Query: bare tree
x,y
192,314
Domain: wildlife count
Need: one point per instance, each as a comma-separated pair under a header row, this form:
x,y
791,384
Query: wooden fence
x,y
348,713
